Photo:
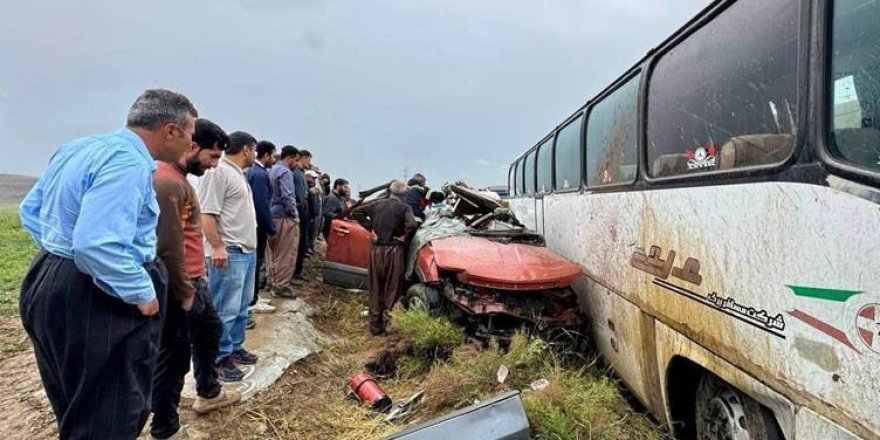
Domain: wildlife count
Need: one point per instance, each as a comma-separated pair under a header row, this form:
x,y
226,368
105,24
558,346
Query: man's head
x,y
436,197
311,177
242,149
397,188
209,142
165,120
340,186
418,179
266,153
305,162
289,156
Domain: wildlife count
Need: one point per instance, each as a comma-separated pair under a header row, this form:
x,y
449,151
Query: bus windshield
x,y
855,101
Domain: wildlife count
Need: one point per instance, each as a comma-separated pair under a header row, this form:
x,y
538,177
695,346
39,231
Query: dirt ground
x,y
26,412
307,402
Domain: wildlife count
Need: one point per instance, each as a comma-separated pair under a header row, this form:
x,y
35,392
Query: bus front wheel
x,y
724,413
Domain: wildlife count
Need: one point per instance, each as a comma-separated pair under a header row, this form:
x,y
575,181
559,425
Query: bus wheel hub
x,y
726,417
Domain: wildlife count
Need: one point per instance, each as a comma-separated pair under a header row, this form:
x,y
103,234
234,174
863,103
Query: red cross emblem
x,y
868,326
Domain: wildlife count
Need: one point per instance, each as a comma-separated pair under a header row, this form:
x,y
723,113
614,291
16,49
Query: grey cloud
x,y
370,87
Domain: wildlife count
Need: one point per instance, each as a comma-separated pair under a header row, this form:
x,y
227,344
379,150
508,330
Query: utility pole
x,y
405,173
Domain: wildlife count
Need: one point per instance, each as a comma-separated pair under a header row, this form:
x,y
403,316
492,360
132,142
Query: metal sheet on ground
x,y
500,418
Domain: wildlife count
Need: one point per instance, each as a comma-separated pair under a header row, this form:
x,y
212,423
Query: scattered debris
x,y
369,392
539,385
501,417
502,374
402,410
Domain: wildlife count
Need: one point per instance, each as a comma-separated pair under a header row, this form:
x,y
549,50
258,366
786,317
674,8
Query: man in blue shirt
x,y
283,246
93,299
258,179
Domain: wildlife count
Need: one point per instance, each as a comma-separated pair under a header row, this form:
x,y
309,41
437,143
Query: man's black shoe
x,y
228,372
243,357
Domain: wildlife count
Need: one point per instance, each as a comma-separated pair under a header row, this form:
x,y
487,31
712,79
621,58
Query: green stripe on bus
x,y
826,294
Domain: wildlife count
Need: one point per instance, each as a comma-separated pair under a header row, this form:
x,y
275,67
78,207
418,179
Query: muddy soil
x,y
26,412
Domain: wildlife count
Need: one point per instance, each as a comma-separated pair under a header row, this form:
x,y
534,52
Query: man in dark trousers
x,y
392,223
258,178
93,299
301,188
181,249
283,246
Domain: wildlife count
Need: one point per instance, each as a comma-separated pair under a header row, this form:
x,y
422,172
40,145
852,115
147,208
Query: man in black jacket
x,y
301,187
334,203
392,223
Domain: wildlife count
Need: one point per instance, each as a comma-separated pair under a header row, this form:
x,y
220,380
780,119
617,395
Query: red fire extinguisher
x,y
369,392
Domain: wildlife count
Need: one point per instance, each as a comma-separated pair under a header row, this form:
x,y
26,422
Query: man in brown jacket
x,y
179,244
392,223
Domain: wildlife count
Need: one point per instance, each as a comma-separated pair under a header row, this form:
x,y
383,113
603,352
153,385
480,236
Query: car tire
x,y
423,297
724,413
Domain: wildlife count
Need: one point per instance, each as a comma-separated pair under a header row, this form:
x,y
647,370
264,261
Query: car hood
x,y
482,262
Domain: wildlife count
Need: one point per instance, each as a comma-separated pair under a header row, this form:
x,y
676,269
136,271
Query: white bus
x,y
722,200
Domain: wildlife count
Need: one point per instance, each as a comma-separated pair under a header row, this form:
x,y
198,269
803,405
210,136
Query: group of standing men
x,y
138,272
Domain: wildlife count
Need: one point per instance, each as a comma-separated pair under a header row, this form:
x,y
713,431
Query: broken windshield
x,y
855,103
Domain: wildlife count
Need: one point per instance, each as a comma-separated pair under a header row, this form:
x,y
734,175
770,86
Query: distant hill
x,y
13,188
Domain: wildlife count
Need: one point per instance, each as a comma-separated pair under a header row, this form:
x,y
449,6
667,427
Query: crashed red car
x,y
476,262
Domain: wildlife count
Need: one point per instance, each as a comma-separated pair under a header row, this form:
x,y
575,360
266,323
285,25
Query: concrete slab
x,y
279,339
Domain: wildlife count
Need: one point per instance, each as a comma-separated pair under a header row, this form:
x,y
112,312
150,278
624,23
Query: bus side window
x,y
520,177
568,156
726,97
612,131
530,173
511,180
855,102
545,167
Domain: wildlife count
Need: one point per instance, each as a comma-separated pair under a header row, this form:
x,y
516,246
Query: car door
x,y
348,254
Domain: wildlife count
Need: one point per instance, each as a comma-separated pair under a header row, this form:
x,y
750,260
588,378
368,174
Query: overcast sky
x,y
452,88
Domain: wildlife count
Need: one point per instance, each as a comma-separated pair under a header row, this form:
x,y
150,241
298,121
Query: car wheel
x,y
724,413
424,298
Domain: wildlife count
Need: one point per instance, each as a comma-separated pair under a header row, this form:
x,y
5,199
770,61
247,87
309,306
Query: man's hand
x,y
150,308
220,258
187,304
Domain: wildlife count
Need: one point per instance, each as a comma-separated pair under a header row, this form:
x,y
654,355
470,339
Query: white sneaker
x,y
261,307
265,300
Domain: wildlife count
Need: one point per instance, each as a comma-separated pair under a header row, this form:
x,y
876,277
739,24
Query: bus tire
x,y
723,412
425,298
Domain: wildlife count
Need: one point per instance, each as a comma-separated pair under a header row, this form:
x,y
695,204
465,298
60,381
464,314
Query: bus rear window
x,y
726,97
855,97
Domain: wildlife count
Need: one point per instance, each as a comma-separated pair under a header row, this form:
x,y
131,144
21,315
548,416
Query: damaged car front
x,y
477,263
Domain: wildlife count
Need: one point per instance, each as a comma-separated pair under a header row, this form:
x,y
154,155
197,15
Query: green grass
x,y
579,403
428,335
17,249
